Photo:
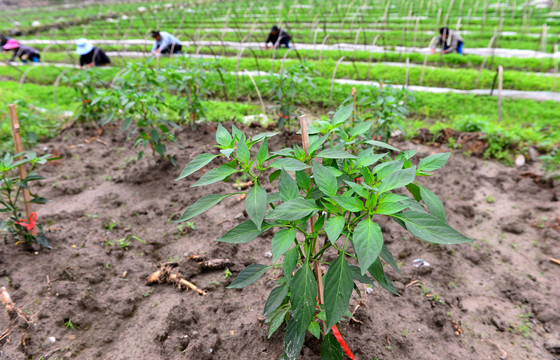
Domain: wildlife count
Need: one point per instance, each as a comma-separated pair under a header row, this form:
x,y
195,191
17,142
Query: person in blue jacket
x,y
165,43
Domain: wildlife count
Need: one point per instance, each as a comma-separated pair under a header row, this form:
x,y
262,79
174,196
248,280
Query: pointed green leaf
x,y
352,204
243,153
397,179
198,163
248,276
293,210
315,329
287,187
275,299
303,300
290,263
215,175
382,145
324,179
429,228
386,168
360,128
389,259
282,242
342,114
433,162
331,349
223,137
202,205
338,288
367,157
303,180
390,204
357,275
243,233
255,204
334,227
434,204
262,154
289,164
357,188
368,242
376,270
335,153
276,322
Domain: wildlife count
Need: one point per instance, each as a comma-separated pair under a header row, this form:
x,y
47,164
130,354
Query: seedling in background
x,y
490,199
343,184
11,197
69,324
227,273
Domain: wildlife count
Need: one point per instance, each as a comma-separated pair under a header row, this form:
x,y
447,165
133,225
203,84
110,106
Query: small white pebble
x,y
268,254
369,290
52,339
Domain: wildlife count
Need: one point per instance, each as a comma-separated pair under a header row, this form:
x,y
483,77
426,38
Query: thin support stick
x,y
500,87
318,272
19,149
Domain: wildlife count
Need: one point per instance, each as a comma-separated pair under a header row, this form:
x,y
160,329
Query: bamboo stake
x,y
554,261
14,122
318,272
354,95
333,78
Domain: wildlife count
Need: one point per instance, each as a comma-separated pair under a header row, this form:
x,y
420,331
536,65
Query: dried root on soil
x,y
167,274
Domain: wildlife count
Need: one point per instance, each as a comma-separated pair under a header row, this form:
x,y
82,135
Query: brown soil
x,y
502,292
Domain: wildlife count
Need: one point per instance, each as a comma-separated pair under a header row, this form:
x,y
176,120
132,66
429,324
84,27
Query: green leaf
x,y
382,145
397,179
293,210
334,227
352,204
198,163
389,204
430,228
303,180
315,329
215,175
367,157
255,204
282,241
386,168
243,153
243,233
287,187
415,191
303,300
434,204
357,275
315,145
342,114
389,259
276,322
223,137
39,200
43,240
338,288
335,153
367,241
289,164
433,162
275,299
202,205
357,188
324,179
360,128
290,263
331,349
248,276
261,136
262,154
376,270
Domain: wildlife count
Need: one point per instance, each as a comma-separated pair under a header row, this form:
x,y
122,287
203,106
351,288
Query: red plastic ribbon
x,y
29,224
342,343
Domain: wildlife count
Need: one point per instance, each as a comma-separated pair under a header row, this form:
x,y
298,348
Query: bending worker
x,y
450,42
165,43
278,37
90,55
25,53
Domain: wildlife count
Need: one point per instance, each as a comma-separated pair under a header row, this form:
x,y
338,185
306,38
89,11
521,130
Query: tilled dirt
x,y
497,298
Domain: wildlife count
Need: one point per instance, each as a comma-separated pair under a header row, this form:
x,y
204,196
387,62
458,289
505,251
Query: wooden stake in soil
x,y
14,122
354,105
318,272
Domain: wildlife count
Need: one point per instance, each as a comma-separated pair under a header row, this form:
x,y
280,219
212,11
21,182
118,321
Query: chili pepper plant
x,y
287,88
329,199
95,98
11,197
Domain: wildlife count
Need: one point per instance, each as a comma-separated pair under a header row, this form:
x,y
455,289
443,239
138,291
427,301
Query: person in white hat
x,y
90,55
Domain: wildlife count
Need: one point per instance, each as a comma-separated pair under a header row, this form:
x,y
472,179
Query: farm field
x,y
354,196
